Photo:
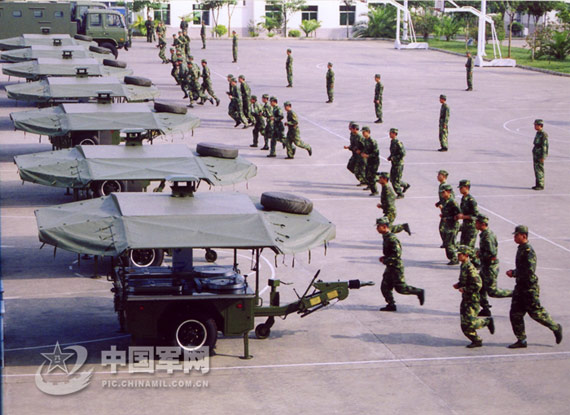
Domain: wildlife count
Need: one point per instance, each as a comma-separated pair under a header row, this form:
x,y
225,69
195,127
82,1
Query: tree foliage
x,y
555,44
287,8
309,26
447,27
381,23
424,24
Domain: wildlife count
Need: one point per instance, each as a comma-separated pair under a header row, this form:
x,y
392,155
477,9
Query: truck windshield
x,y
114,20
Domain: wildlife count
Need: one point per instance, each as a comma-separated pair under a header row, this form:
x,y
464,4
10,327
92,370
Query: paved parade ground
x,y
349,358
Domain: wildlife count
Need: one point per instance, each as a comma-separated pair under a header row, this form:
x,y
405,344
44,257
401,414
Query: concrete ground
x,y
349,358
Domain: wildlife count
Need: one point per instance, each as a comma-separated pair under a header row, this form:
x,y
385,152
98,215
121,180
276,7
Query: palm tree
x,y
381,23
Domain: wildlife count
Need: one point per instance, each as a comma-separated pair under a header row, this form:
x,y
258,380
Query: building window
x,y
162,12
200,15
310,13
347,13
272,11
38,14
17,13
58,15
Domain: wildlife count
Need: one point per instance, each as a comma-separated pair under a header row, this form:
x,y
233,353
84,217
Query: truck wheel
x,y
106,187
211,255
97,49
175,109
142,258
286,202
88,141
262,331
193,333
114,64
217,150
83,37
137,80
111,47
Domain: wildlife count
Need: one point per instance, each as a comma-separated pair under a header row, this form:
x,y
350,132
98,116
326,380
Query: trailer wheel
x,y
83,37
211,255
98,49
286,202
193,333
89,141
223,151
106,187
137,80
114,64
175,109
112,48
142,258
262,331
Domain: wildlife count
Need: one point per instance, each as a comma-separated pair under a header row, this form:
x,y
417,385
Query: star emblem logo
x,y
57,359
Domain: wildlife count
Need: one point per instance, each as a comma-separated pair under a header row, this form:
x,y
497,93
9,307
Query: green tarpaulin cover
x,y
113,224
64,118
67,88
79,166
27,40
44,67
35,52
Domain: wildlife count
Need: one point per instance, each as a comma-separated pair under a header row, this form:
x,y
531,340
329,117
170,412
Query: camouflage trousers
x,y
235,110
449,236
207,87
468,233
391,215
234,54
267,133
258,128
203,42
356,165
469,80
489,272
528,301
330,93
294,140
247,111
443,136
162,53
289,76
195,92
538,171
371,173
393,279
396,172
149,36
470,323
276,135
378,109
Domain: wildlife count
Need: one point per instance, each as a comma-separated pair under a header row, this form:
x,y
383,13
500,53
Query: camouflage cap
x,y
265,96
190,57
242,77
329,64
232,79
383,174
288,50
538,122
394,130
254,97
383,221
204,61
354,125
464,249
521,229
464,182
273,99
366,128
229,76
443,97
287,104
377,75
447,187
443,173
482,218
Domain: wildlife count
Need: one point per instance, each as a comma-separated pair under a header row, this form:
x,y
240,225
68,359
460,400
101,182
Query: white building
x,y
332,14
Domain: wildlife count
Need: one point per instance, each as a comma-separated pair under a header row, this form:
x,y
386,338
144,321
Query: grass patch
x,y
522,56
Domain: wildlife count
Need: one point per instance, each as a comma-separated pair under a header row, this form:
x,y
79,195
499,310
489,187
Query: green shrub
x,y
270,34
294,33
517,28
309,26
220,30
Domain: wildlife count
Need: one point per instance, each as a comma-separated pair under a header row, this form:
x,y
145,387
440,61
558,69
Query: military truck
x,y
92,20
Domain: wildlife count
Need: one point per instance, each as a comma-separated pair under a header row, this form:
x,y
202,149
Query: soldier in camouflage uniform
x,y
488,257
277,129
203,35
246,99
393,277
396,157
267,112
449,210
371,154
235,109
293,138
388,204
526,293
539,153
148,24
194,90
330,83
378,91
207,82
162,42
234,46
468,214
469,285
356,164
186,38
443,123
469,68
175,42
442,178
289,69
259,124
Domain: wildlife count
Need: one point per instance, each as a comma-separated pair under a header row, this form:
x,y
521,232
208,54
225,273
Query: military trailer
x,y
184,304
91,20
35,52
28,40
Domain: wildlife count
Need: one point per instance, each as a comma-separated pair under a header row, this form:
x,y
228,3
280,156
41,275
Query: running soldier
x,y
293,138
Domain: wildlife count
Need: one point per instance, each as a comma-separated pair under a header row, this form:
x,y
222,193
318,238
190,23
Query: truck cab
x,y
106,27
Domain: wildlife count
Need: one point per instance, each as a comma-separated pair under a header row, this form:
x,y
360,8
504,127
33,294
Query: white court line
x,y
532,233
531,129
66,344
346,363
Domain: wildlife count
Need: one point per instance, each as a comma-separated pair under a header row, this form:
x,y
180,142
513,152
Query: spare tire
x,y
286,202
114,64
83,37
137,80
223,151
97,49
175,109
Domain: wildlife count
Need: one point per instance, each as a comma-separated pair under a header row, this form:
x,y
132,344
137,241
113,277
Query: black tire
x,y
106,187
114,64
142,258
211,255
137,80
97,49
217,150
175,109
88,141
193,332
262,331
83,37
111,47
286,202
